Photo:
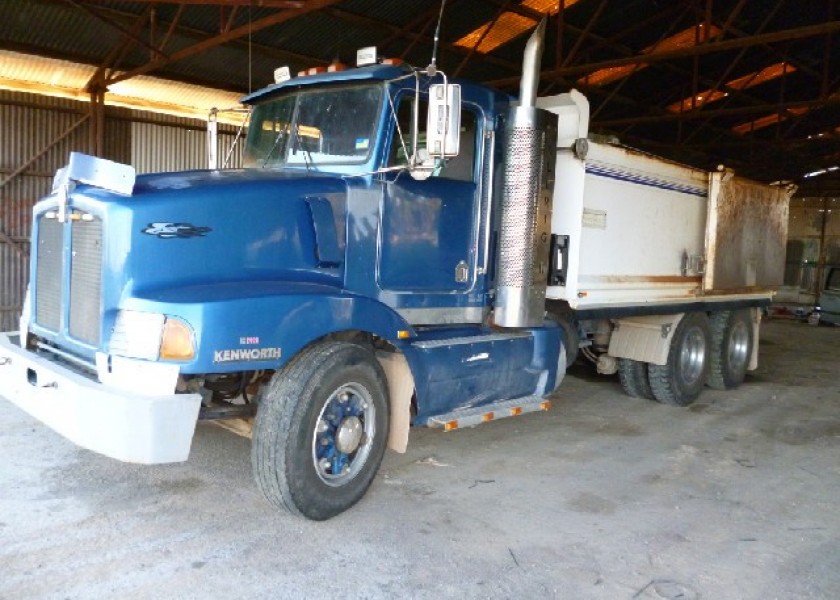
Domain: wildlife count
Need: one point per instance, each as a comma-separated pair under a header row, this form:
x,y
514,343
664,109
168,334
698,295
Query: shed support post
x,y
96,130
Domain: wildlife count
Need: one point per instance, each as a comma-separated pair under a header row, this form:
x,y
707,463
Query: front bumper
x,y
127,426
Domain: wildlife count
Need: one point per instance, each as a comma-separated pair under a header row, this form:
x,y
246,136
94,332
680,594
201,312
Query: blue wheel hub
x,y
343,434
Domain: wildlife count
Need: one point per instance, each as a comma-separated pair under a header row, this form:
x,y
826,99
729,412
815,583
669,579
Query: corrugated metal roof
x,y
53,77
615,30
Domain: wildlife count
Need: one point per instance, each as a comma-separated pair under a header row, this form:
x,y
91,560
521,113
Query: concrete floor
x,y
603,497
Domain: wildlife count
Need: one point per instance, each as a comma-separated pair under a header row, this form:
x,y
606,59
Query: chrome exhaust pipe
x,y
531,63
525,226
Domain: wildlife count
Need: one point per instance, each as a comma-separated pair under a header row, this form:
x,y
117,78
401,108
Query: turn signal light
x,y
177,341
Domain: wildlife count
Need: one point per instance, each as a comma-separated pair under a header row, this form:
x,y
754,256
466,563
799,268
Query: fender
x,y
647,339
229,319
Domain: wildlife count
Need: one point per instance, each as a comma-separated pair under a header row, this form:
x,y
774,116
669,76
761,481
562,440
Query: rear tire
x,y
321,430
681,379
633,375
732,346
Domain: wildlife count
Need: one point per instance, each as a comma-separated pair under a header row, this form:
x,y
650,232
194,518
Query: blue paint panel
x,y
427,229
280,314
468,374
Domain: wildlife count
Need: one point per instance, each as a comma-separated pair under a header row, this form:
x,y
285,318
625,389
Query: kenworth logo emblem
x,y
246,354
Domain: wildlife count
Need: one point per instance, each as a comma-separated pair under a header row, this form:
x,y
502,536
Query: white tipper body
x,y
645,230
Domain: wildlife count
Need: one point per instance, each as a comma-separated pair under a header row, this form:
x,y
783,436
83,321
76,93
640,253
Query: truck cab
x,y
422,242
339,287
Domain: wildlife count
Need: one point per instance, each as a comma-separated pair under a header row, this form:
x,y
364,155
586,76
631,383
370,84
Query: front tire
x,y
681,379
732,345
321,430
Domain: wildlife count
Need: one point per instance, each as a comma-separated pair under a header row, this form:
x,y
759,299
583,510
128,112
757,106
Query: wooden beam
x,y
116,26
584,35
480,39
709,48
721,81
119,51
723,112
253,3
274,19
199,35
16,246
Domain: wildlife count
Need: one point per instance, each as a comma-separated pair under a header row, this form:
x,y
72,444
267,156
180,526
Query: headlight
x,y
137,334
151,336
177,342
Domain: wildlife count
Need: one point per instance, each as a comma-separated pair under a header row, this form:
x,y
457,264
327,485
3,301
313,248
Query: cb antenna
x,y
432,68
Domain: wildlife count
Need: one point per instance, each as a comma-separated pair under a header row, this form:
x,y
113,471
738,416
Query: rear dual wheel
x,y
681,379
633,375
732,347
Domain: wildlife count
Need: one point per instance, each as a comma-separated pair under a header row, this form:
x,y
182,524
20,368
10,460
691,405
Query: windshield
x,y
325,126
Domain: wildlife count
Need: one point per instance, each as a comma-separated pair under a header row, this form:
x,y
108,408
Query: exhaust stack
x,y
525,227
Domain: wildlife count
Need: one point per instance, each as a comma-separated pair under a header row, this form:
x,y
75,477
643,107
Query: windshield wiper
x,y
273,147
307,156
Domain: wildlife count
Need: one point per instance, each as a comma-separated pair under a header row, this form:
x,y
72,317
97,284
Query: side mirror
x,y
443,124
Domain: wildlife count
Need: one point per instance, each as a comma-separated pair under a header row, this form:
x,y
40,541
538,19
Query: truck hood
x,y
205,227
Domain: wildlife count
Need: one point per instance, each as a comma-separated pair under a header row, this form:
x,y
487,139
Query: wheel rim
x,y
343,435
692,355
739,346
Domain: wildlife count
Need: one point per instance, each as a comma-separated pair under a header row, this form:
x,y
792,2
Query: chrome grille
x,y
48,274
86,280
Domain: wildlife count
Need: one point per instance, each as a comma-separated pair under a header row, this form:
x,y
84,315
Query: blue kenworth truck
x,y
389,257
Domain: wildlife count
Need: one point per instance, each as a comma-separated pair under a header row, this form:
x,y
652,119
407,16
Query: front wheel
x,y
681,379
321,430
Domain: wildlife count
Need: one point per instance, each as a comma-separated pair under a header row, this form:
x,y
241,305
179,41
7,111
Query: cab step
x,y
470,417
469,339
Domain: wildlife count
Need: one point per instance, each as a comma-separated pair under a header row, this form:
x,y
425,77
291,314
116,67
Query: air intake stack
x,y
525,227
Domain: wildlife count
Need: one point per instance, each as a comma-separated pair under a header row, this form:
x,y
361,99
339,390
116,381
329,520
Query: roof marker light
x,y
366,56
282,74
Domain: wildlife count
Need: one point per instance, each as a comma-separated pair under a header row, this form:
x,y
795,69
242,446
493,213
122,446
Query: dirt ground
x,y
605,496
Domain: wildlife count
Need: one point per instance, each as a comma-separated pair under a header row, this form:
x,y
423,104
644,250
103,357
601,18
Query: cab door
x,y
429,229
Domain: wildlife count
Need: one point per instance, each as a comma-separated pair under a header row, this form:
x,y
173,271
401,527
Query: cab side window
x,y
460,168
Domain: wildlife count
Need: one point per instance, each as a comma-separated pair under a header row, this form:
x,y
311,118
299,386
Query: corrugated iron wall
x,y
186,148
31,123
